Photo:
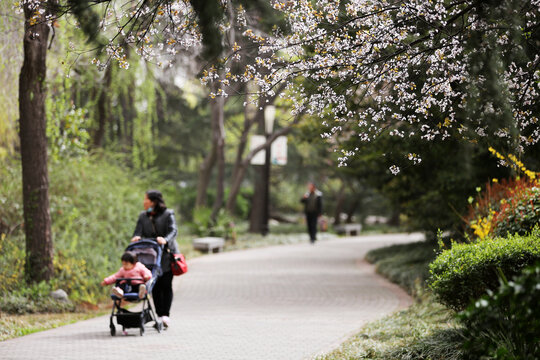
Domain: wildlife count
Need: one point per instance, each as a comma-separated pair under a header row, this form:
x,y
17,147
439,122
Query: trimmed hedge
x,y
466,271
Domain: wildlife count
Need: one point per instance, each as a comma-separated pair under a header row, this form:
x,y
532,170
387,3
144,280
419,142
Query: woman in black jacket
x,y
156,221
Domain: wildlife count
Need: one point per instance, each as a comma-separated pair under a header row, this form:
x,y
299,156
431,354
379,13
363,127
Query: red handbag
x,y
178,264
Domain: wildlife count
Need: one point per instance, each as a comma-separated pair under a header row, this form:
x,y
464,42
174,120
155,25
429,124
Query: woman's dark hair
x,y
157,198
129,257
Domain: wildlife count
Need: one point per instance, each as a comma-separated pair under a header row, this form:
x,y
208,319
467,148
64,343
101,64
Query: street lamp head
x,y
269,116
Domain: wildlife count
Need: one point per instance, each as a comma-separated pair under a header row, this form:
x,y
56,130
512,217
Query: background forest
x,y
114,131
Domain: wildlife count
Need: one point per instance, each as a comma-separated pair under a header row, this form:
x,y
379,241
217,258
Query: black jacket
x,y
165,226
318,199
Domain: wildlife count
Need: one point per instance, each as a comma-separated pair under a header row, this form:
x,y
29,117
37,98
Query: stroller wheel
x,y
159,326
142,330
113,330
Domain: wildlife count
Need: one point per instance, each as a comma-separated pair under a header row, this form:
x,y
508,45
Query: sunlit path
x,y
285,302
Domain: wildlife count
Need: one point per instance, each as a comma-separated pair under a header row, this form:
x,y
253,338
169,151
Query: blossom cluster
x,y
413,69
157,30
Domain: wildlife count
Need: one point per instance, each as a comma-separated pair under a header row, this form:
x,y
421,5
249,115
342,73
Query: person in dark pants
x,y
156,221
312,200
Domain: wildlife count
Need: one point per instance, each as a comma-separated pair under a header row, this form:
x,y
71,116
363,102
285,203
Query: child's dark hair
x,y
129,257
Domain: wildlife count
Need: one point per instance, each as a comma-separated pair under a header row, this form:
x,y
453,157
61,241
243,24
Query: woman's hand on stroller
x,y
135,238
160,240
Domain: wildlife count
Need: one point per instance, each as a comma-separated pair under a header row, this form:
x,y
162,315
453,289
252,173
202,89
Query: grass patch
x,y
427,330
248,241
424,331
12,326
405,264
370,229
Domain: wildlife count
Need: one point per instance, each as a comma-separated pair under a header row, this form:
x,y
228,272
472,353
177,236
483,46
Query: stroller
x,y
149,254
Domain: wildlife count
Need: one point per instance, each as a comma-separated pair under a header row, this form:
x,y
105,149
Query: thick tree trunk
x,y
256,221
32,95
103,107
257,203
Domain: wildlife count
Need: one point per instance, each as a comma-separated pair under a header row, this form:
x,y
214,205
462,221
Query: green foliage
x,y
203,225
33,298
11,262
11,35
506,323
467,271
404,264
143,123
66,124
94,203
431,194
519,214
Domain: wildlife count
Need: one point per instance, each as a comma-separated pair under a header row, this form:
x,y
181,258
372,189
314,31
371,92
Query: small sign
x,y
278,152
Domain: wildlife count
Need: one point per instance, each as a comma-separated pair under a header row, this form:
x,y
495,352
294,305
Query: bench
x,y
209,244
349,229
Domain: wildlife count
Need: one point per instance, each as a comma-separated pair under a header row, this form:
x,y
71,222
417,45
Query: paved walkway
x,y
284,302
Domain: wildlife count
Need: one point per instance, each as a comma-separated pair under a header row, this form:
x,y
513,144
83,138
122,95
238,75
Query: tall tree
x,y
32,95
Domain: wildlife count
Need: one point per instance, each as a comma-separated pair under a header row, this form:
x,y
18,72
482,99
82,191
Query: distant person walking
x,y
312,200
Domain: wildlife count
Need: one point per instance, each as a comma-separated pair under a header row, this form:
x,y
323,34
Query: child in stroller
x,y
130,286
133,269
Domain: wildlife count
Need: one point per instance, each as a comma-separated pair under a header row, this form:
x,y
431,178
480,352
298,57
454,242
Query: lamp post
x,y
269,116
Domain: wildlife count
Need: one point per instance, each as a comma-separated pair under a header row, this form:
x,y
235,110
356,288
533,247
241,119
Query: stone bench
x,y
209,244
349,229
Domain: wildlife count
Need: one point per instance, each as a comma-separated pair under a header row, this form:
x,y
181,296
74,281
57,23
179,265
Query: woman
x,y
156,221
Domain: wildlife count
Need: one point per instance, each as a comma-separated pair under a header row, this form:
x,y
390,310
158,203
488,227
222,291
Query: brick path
x,y
284,302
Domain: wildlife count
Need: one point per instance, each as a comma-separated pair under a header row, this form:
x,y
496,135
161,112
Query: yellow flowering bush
x,y
506,206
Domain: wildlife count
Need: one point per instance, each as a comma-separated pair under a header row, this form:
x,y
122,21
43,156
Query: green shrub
x,y
518,214
11,262
203,225
506,324
466,271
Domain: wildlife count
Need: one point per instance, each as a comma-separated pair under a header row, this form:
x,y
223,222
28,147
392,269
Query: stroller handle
x,y
122,279
147,241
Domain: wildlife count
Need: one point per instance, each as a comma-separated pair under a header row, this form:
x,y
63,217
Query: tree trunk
x,y
218,106
339,204
205,170
127,102
240,167
35,178
103,107
241,164
256,221
257,203
352,208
